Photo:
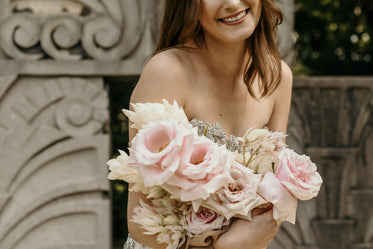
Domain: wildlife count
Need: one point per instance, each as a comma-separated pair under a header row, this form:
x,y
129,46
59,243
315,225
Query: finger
x,y
261,210
267,217
257,211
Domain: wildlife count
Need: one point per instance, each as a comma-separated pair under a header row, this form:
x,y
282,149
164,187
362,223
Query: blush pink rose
x,y
298,174
205,171
284,204
202,220
238,197
158,148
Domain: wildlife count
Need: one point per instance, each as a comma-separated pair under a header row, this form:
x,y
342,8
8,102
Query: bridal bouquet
x,y
193,185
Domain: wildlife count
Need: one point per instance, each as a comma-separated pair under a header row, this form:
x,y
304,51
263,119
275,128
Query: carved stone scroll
x,y
71,30
53,188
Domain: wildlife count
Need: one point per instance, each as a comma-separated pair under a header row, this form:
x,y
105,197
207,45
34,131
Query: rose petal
x,y
285,205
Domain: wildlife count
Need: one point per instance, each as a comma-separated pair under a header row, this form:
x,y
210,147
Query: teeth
x,y
235,18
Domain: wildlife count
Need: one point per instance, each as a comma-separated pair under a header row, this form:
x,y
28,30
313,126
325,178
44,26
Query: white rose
x,y
145,113
263,164
120,171
255,136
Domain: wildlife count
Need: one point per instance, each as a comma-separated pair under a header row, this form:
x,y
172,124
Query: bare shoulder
x,y
286,83
165,76
282,100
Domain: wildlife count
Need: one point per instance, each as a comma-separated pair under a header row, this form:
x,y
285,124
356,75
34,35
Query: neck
x,y
225,60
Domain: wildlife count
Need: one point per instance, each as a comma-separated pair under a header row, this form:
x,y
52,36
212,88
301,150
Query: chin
x,y
234,38
230,36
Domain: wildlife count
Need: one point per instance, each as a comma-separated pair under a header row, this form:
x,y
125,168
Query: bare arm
x,y
162,78
280,114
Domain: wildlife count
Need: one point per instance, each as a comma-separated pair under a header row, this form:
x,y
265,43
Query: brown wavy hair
x,y
180,25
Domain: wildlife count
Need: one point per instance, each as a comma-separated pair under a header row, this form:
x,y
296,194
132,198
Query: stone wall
x,y
54,118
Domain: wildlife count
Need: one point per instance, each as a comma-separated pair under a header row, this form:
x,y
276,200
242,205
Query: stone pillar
x,y
54,134
331,121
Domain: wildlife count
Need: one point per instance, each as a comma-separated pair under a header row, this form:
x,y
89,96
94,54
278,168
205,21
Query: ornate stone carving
x,y
53,188
71,30
79,106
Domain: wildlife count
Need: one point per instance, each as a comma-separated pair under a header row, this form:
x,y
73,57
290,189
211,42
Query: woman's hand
x,y
255,234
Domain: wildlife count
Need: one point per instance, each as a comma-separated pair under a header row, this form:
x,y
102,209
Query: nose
x,y
231,4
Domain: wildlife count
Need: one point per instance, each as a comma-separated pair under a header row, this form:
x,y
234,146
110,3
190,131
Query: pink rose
x,y
204,172
238,197
298,174
158,149
202,220
284,204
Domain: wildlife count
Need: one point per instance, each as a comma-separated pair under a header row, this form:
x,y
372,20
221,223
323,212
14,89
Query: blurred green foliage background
x,y
331,37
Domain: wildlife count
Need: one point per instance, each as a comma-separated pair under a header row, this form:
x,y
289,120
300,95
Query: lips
x,y
234,18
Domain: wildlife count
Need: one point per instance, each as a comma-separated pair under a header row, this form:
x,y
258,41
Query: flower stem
x,y
205,131
253,154
244,156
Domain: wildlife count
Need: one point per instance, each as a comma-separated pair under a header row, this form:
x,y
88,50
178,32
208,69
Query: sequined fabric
x,y
131,244
216,134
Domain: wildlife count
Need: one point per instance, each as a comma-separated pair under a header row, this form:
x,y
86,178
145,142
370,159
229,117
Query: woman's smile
x,y
230,21
235,19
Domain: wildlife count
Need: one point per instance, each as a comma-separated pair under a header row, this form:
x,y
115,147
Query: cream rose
x,y
298,174
238,197
202,220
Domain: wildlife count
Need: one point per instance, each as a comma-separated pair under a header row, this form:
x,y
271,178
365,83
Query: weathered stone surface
x,y
334,233
111,37
103,30
52,163
286,31
331,121
360,207
54,146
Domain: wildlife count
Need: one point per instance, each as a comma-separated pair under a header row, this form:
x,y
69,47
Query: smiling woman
x,y
216,20
218,59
